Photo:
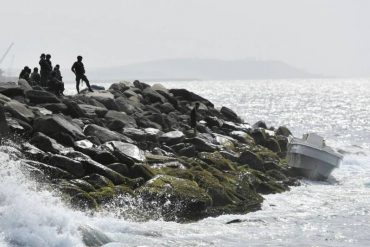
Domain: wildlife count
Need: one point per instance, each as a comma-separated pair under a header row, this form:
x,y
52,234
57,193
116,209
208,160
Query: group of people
x,y
51,78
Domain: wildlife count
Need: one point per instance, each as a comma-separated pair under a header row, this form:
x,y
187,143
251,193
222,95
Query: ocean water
x,y
331,213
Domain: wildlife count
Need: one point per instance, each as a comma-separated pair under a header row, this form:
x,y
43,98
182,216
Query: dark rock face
x,y
172,137
252,160
284,131
189,96
58,123
126,152
40,97
230,115
135,139
19,111
103,134
46,143
4,128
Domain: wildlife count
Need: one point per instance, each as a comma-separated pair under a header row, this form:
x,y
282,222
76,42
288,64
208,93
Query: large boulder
x,y
187,199
93,111
50,125
19,110
70,165
121,116
11,90
230,115
126,152
55,107
104,135
284,131
46,143
41,97
4,128
152,96
172,137
190,96
4,99
252,160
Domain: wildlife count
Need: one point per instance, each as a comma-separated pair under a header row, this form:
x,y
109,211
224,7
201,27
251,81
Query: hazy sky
x,y
330,37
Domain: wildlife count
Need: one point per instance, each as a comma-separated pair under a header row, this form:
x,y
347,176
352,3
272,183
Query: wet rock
x,y
243,137
213,121
273,145
55,107
172,137
83,185
46,143
92,111
58,123
73,109
121,116
190,96
122,169
91,166
126,152
4,128
50,171
230,115
19,111
124,105
97,181
104,135
166,108
71,166
283,143
4,99
152,134
92,237
259,136
159,87
260,124
135,134
152,96
252,160
40,97
32,152
201,145
142,171
11,90
216,160
104,157
177,191
284,131
108,102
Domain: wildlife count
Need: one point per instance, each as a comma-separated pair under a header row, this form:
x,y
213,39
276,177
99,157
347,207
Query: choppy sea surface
x,y
331,213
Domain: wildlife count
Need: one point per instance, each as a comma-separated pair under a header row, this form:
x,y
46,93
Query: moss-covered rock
x,y
187,198
217,160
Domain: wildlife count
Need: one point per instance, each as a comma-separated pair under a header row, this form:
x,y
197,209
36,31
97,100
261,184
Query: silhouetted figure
x,y
35,78
45,70
57,72
193,117
55,85
79,70
25,73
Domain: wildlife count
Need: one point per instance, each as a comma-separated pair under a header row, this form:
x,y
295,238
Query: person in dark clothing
x,y
45,70
55,85
193,117
79,70
25,73
57,72
35,78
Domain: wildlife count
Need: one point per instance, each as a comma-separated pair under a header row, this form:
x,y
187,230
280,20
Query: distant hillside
x,y
204,69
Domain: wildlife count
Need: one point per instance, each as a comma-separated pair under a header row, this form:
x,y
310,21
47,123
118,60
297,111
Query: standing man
x,y
79,70
193,118
44,70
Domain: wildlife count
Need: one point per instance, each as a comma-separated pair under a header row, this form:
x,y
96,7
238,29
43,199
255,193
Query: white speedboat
x,y
310,157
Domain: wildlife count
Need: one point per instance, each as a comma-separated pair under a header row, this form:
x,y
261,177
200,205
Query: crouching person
x,y
55,85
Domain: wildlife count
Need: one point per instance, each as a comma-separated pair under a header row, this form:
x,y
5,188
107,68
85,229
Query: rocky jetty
x,y
133,140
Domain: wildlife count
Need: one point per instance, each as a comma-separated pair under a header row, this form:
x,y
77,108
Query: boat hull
x,y
311,162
